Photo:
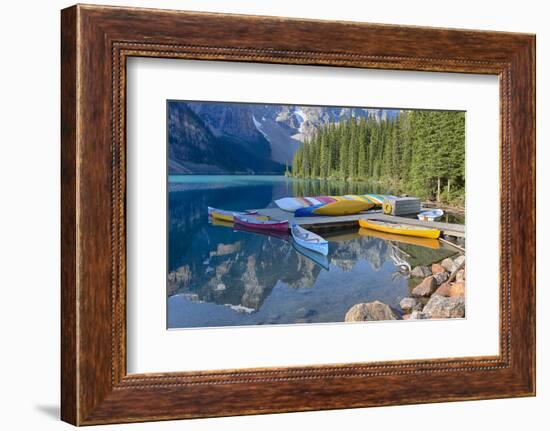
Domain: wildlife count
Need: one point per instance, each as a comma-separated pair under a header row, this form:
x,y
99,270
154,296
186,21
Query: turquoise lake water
x,y
219,276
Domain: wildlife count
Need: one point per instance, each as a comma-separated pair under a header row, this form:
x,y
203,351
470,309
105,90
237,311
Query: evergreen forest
x,y
420,153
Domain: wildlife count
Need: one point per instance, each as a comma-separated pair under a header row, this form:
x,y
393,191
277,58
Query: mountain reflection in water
x,y
219,276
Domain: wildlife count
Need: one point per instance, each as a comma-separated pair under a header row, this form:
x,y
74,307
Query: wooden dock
x,y
340,222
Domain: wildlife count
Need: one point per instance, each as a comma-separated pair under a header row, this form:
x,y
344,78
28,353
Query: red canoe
x,y
255,223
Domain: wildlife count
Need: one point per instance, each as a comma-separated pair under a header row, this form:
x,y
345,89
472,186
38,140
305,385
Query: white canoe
x,y
430,215
309,240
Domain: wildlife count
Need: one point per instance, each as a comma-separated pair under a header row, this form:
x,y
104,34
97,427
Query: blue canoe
x,y
307,211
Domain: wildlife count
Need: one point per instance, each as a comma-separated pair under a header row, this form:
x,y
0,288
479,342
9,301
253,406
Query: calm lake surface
x,y
218,276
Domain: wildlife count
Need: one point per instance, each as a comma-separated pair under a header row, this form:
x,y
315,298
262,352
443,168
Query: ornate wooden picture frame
x,y
96,41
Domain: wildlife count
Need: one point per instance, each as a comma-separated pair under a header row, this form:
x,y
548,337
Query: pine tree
x,y
344,159
305,160
363,149
353,150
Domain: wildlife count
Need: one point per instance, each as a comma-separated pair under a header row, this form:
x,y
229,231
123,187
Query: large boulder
x,y
409,304
421,272
449,265
425,288
441,307
370,311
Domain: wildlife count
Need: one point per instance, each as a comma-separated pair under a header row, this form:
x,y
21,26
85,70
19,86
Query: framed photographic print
x,y
254,210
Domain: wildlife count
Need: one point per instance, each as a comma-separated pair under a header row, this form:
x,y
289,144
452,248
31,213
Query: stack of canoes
x,y
330,205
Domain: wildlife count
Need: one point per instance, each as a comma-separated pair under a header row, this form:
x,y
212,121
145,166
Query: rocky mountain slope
x,y
196,147
214,137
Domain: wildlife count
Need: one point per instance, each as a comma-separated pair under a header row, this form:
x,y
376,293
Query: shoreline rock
x,y
443,290
457,289
418,315
426,287
444,307
441,277
440,294
437,268
371,311
449,265
421,272
460,260
409,304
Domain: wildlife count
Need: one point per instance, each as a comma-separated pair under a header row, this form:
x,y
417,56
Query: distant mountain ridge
x,y
216,138
195,148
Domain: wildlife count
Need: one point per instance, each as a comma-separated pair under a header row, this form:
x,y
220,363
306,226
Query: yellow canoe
x,y
229,216
222,216
343,207
400,229
412,240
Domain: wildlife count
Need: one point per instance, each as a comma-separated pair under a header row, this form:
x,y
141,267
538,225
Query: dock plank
x,y
335,222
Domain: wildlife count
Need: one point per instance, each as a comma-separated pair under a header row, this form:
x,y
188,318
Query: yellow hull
x,y
343,207
400,229
412,240
222,217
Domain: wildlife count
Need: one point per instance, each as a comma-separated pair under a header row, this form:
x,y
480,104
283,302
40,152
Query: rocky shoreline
x,y
440,294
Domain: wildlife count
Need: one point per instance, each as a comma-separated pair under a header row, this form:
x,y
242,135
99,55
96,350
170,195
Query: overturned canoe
x,y
255,223
309,240
400,229
307,211
292,204
343,207
338,208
